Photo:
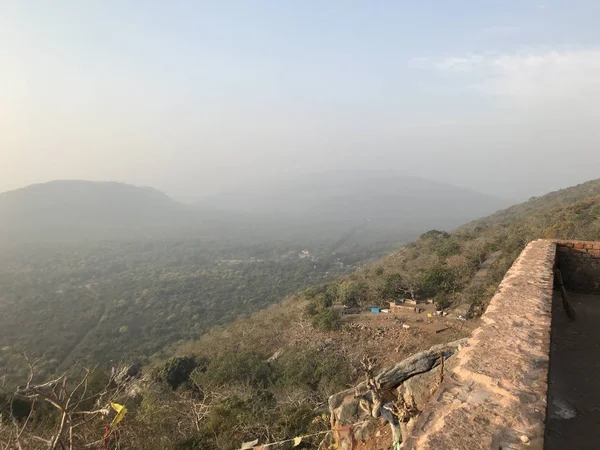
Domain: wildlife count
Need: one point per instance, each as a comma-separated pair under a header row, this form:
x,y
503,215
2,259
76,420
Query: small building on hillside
x,y
406,304
304,254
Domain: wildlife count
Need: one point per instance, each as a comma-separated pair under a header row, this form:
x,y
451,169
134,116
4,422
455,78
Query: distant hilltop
x,y
72,209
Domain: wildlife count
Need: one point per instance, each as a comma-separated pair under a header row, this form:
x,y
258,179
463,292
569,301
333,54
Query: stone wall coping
x,y
495,396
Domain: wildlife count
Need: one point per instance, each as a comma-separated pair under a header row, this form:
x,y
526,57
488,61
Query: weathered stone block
x,y
420,388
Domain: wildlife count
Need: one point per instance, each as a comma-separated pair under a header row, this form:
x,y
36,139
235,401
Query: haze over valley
x,y
128,270
206,206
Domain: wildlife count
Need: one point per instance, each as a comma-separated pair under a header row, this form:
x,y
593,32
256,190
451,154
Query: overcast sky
x,y
192,97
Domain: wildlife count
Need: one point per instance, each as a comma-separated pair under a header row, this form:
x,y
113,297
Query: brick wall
x,y
579,263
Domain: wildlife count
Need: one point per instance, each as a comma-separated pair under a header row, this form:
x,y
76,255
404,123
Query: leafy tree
x,y
439,278
436,234
394,286
323,301
245,367
175,371
312,292
315,370
312,308
447,248
442,301
332,292
327,320
352,293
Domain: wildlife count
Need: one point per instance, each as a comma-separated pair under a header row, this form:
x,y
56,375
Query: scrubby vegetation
x,y
267,377
108,301
186,403
442,265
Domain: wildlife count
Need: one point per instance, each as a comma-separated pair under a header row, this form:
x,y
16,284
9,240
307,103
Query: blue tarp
x,y
375,310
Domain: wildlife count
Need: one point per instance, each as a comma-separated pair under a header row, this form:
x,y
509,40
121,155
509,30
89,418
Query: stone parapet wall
x,y
495,396
579,262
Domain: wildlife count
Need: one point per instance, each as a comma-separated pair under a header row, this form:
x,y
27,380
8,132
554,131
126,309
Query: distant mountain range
x,y
65,209
83,209
360,195
83,202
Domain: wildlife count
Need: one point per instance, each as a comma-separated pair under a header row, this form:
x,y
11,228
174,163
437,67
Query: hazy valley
x,y
171,281
106,271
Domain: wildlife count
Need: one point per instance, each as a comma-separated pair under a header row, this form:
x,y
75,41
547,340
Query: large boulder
x,y
419,388
416,377
391,377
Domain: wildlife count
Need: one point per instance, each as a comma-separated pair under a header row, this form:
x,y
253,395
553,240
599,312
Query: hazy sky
x,y
194,96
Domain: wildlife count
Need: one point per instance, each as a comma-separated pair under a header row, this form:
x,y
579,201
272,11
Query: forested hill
x,y
394,207
63,209
105,271
265,376
546,204
384,198
320,351
442,265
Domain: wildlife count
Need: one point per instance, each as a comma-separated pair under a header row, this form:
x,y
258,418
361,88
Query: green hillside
x,y
268,376
106,271
438,265
441,265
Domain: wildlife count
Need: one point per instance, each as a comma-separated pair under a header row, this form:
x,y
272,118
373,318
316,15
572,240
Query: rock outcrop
x,y
414,379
